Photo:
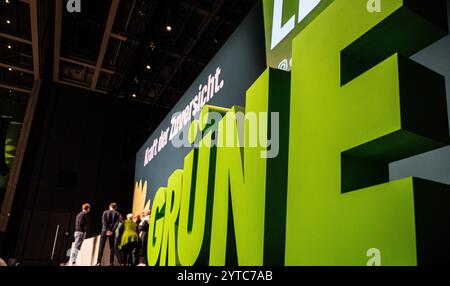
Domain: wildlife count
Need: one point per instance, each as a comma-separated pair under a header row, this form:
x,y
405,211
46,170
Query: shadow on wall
x,y
433,165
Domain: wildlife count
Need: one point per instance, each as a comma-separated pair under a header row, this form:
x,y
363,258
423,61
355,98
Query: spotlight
x,y
10,91
9,47
7,1
134,95
169,28
148,67
10,69
8,22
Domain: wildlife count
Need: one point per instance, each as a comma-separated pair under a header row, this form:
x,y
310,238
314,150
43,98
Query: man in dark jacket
x,y
110,220
80,232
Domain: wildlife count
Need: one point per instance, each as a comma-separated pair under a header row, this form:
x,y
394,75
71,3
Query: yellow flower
x,y
139,200
10,152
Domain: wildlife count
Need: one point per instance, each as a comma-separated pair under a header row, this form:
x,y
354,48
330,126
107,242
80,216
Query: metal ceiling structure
x,y
19,55
125,48
120,48
20,80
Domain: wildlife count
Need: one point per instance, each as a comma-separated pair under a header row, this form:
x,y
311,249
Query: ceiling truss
x,y
34,43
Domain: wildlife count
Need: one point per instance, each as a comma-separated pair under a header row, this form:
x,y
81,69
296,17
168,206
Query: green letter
x,y
356,106
173,195
192,220
257,185
156,227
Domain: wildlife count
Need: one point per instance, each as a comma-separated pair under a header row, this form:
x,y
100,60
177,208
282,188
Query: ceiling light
x,y
134,95
148,67
9,46
10,91
8,22
10,69
152,46
7,1
169,28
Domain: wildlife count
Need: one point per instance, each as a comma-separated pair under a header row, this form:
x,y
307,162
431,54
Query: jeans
x,y
76,246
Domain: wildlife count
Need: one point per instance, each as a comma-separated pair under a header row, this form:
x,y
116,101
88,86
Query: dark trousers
x,y
144,247
128,258
103,239
119,253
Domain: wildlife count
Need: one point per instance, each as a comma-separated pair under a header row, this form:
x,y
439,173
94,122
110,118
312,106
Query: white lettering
x,y
305,7
73,6
280,31
375,255
374,6
214,84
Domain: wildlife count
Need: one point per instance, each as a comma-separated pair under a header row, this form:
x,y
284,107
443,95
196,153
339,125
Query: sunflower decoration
x,y
140,202
10,152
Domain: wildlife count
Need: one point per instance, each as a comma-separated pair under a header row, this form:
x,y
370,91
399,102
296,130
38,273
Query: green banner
x,y
353,103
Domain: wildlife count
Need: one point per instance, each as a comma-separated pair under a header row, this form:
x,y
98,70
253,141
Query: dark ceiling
x,y
16,58
119,48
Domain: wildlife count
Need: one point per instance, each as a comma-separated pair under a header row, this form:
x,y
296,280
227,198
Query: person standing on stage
x,y
118,235
80,232
110,220
143,234
129,240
